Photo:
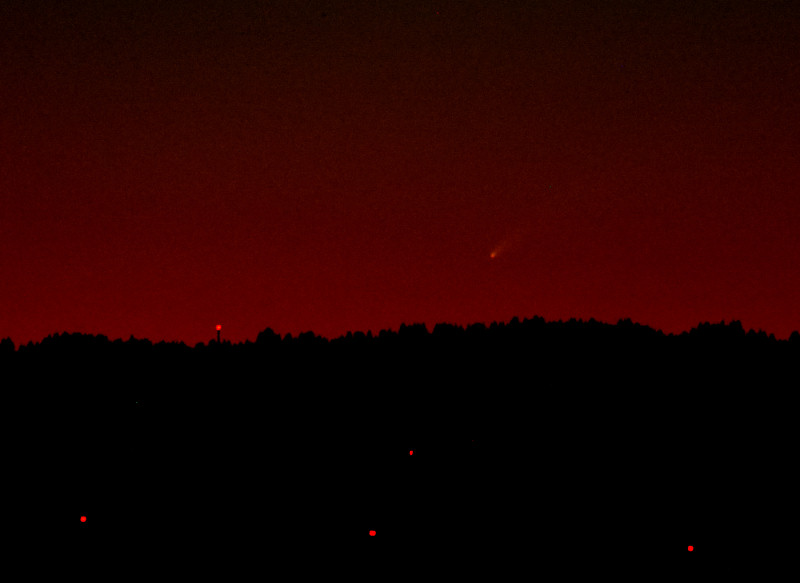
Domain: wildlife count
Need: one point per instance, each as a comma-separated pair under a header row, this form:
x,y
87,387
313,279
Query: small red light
x,y
83,519
691,548
219,326
411,452
372,533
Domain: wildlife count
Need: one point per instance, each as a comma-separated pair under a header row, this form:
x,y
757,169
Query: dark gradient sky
x,y
333,166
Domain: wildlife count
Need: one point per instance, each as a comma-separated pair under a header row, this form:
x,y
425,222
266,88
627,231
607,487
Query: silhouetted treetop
x,y
6,346
524,332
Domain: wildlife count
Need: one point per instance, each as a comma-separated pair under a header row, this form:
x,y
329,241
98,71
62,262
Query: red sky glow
x,y
335,166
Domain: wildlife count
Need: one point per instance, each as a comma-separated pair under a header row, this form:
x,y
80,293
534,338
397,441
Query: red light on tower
x,y
691,548
219,327
83,519
411,452
372,533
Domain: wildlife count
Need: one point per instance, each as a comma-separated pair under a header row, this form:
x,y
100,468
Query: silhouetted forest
x,y
527,434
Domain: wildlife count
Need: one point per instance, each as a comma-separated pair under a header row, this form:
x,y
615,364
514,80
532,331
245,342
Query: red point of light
x,y
219,326
691,548
83,519
411,452
372,533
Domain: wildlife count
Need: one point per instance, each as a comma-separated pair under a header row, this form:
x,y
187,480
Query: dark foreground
x,y
531,451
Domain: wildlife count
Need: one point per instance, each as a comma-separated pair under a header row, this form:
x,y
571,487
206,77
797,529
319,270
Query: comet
x,y
501,247
513,240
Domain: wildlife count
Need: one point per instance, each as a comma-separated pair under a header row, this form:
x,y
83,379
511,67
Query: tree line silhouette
x,y
605,419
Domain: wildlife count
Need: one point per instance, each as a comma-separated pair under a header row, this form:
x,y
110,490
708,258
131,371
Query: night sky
x,y
334,166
